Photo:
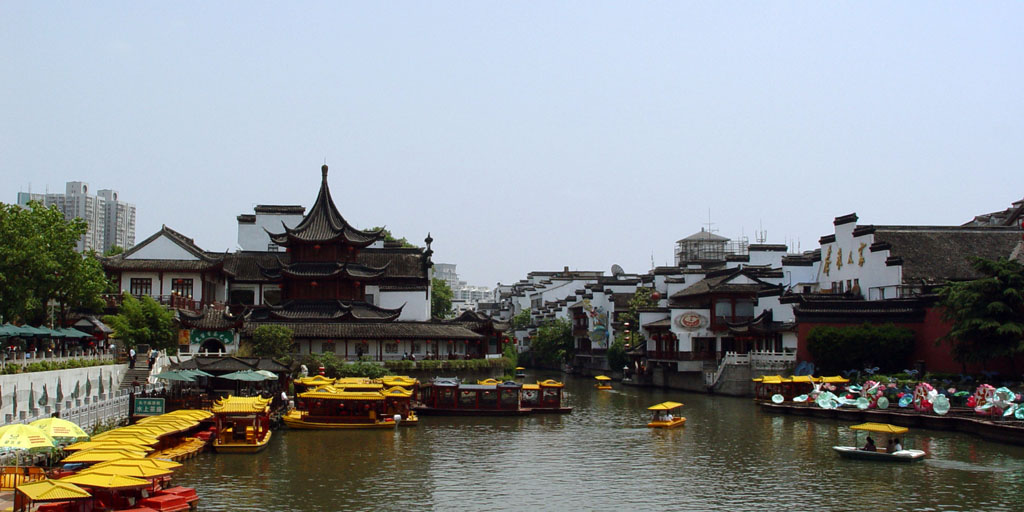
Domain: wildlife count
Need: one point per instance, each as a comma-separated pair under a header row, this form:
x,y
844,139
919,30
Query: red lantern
x,y
655,296
313,284
317,247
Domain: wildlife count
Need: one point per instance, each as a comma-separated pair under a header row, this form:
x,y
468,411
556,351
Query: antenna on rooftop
x,y
709,223
761,234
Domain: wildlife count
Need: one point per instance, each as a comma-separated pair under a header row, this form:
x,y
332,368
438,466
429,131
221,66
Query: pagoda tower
x,y
322,280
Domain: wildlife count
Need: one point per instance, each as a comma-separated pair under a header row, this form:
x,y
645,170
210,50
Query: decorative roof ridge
x,y
179,239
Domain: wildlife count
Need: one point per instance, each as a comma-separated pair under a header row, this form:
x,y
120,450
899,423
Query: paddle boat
x,y
662,416
879,452
520,372
243,424
603,382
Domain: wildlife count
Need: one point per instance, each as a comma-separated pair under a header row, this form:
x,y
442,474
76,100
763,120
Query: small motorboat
x,y
662,416
520,372
872,452
603,382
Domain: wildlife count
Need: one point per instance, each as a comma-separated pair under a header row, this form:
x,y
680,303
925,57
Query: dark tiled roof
x,y
719,284
1008,217
390,330
937,254
323,310
324,223
280,209
704,236
323,270
246,218
221,365
664,322
403,268
767,248
209,320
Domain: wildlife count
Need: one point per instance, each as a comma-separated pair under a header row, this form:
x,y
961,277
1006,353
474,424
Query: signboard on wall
x,y
225,337
691,321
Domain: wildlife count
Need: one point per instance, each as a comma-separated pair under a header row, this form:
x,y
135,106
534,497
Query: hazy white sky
x,y
522,135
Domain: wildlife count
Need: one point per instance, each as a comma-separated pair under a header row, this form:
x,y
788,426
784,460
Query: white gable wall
x,y
162,248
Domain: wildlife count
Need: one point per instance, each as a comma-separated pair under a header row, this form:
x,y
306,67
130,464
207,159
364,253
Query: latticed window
x,y
140,286
181,287
327,347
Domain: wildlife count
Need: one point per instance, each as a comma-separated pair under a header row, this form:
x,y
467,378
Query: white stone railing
x,y
765,360
85,412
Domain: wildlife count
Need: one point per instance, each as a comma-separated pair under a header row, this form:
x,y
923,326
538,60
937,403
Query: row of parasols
x,y
243,375
27,331
44,398
44,434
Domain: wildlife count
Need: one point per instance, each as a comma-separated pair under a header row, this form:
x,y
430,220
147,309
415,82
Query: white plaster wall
x,y
686,335
375,291
417,304
126,280
873,273
771,258
252,237
197,283
161,249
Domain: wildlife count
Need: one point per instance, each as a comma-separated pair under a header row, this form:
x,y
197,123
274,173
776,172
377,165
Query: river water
x,y
729,456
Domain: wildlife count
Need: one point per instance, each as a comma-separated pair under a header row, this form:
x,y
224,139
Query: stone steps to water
x,y
141,371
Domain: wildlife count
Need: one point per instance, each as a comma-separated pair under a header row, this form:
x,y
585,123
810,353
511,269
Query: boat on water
x,y
243,424
357,405
603,382
520,372
662,415
451,397
544,397
879,452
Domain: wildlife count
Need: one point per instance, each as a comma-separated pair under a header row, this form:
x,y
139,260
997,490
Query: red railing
x,y
113,300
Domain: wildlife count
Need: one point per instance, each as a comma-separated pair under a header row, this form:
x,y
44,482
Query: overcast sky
x,y
522,135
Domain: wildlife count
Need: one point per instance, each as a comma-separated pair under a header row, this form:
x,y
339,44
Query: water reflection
x,y
729,456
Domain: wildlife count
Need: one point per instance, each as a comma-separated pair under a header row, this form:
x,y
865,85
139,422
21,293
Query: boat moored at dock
x,y
243,424
544,397
451,397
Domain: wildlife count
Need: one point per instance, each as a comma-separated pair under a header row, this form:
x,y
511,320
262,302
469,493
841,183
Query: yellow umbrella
x,y
99,481
47,491
61,429
143,461
24,437
102,455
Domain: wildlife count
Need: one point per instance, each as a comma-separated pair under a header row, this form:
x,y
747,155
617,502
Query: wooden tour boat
x,y
662,416
520,372
243,424
450,397
879,453
357,405
544,396
603,382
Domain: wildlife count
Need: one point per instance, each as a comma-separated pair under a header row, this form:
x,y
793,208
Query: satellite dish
x,y
617,270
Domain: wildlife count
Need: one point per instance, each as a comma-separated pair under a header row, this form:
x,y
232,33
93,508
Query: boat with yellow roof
x,y
544,396
243,424
603,382
662,416
360,403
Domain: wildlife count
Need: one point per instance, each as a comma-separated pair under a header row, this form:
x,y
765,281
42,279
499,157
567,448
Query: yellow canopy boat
x,y
662,416
603,382
873,452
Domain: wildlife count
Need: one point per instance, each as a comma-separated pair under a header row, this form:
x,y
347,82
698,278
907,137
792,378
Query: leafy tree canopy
x,y
616,353
144,322
440,298
38,263
835,349
389,238
272,341
114,250
987,314
553,343
521,320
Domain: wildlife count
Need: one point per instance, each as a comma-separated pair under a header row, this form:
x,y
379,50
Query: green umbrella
x,y
60,392
45,398
199,373
175,375
245,375
71,332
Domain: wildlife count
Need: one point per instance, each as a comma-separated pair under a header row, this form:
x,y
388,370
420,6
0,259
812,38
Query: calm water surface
x,y
729,456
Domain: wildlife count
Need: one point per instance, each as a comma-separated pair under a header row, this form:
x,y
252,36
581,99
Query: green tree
x,y
114,250
144,321
630,335
389,238
38,263
272,341
522,320
440,298
987,314
616,353
553,343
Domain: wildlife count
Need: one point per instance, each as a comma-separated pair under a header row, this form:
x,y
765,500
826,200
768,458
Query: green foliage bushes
x,y
841,348
46,366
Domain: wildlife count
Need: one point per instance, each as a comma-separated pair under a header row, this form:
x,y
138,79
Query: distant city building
x,y
111,221
465,297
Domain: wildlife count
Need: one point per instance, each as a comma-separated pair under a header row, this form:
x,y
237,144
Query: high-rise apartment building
x,y
111,221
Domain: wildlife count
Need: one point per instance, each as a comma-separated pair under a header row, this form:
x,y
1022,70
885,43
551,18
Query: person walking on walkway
x,y
131,357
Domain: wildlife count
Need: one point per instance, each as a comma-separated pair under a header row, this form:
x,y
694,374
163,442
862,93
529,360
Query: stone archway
x,y
212,345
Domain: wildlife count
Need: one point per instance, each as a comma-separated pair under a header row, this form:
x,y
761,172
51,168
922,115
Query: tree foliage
x,y
440,298
987,314
144,322
272,341
835,349
616,353
388,237
522,320
553,343
38,263
630,319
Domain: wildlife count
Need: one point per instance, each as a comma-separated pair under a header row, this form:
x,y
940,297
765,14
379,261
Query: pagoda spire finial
x,y
323,170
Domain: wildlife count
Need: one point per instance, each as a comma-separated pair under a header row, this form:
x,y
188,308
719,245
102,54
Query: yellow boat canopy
x,y
132,471
105,481
773,379
531,386
804,378
112,444
835,379
141,461
665,406
489,382
398,380
52,490
102,455
128,437
603,377
332,393
520,368
241,405
397,391
551,383
881,428
315,381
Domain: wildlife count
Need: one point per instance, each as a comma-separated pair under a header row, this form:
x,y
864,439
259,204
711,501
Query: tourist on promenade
x,y
131,358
